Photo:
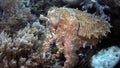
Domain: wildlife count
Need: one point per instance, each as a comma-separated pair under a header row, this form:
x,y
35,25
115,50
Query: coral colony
x,y
56,38
88,4
109,56
21,50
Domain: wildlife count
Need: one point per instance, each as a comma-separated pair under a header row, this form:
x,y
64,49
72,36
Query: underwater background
x,y
59,34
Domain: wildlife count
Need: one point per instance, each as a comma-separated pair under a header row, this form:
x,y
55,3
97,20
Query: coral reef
x,y
24,50
106,58
111,3
89,4
68,39
73,29
42,6
93,5
14,14
114,38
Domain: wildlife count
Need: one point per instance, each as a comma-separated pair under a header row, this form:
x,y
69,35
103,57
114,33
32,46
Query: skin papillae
x,y
74,29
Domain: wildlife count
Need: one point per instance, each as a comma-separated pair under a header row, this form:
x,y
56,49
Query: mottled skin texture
x,y
67,36
75,29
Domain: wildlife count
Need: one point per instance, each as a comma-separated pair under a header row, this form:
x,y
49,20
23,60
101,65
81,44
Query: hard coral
x,y
24,49
75,29
14,14
110,57
91,6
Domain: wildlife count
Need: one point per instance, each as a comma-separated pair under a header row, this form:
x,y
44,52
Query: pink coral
x,y
74,29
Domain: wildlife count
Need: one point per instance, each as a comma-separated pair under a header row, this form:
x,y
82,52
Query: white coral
x,y
106,58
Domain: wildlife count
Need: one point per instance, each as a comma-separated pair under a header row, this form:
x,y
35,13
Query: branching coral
x,y
88,5
74,29
24,49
